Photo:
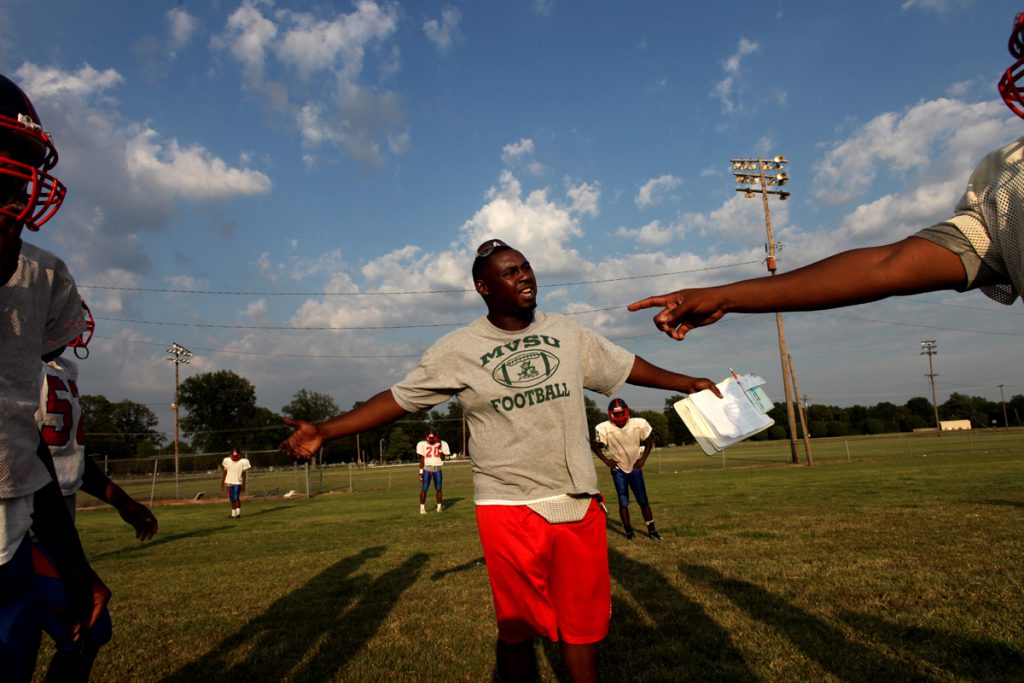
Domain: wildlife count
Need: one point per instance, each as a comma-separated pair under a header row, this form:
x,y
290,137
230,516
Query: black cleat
x,y
630,535
655,536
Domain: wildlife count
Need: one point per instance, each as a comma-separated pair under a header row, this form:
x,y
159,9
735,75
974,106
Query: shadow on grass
x,y
311,633
159,540
476,563
447,502
819,640
162,539
659,634
614,527
977,660
1001,503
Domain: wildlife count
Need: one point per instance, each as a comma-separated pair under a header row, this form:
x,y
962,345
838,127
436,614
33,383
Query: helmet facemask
x,y
28,193
619,416
81,342
1013,78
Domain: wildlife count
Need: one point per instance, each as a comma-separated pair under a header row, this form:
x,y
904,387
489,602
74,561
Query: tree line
x,y
219,412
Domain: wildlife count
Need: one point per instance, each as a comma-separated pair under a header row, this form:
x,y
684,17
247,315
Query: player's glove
x,y
421,475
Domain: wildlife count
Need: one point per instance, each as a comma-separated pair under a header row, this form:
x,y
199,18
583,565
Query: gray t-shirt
x,y
522,393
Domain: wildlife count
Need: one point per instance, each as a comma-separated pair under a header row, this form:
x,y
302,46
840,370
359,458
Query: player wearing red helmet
x,y
28,193
234,477
431,451
978,247
40,312
623,444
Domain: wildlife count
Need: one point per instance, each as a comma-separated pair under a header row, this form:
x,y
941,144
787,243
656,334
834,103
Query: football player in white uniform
x,y
234,478
623,444
432,451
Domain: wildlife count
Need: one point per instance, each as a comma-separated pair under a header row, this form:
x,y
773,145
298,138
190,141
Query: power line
x,y
403,292
318,327
925,327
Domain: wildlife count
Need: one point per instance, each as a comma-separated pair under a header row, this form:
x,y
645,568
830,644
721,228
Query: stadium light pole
x,y
928,349
756,175
178,355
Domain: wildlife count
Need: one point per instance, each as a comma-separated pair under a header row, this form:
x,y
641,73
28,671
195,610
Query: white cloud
x,y
296,268
400,143
256,311
443,33
537,225
938,6
329,103
654,191
520,155
584,197
125,176
191,172
45,83
911,142
961,88
247,37
726,90
181,282
543,7
654,234
181,27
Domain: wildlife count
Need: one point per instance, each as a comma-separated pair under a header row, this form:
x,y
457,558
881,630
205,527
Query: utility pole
x,y
759,183
928,349
1002,398
803,416
178,355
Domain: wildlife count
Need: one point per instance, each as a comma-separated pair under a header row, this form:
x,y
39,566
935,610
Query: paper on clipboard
x,y
717,423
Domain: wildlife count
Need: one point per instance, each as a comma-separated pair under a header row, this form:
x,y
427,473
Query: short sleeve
x,y
430,383
606,366
64,317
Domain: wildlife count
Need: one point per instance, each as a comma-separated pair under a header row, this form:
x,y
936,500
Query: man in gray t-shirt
x,y
519,376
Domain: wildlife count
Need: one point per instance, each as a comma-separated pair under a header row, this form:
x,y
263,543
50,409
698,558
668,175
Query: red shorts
x,y
547,579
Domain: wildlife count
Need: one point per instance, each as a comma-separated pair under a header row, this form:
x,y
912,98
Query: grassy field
x,y
893,559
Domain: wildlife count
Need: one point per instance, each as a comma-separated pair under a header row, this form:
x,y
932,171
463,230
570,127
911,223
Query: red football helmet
x,y
28,193
433,437
1009,84
236,454
82,340
618,412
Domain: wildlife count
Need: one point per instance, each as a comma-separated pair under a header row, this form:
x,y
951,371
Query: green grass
x,y
900,561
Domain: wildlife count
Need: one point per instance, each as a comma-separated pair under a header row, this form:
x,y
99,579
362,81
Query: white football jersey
x,y
59,418
433,454
624,444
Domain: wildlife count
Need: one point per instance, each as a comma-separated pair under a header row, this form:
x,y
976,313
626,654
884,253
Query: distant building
x,y
954,425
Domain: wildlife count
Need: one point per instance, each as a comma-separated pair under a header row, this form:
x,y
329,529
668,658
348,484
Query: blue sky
x,y
309,158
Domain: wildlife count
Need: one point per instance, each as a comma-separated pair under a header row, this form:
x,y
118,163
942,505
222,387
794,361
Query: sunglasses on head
x,y
488,247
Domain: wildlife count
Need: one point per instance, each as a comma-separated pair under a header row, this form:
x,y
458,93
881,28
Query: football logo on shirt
x,y
526,369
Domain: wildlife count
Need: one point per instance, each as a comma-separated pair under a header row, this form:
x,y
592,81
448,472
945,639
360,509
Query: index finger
x,y
649,302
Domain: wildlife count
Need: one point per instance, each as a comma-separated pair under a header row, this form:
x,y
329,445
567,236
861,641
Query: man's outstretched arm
x,y
911,266
307,438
